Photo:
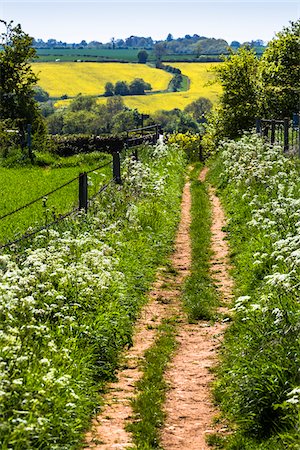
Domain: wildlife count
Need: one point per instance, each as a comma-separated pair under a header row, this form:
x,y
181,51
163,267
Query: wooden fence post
x,y
83,192
258,126
117,168
272,132
286,134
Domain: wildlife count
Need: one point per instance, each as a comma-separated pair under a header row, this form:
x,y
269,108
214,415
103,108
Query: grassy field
x,y
200,75
90,78
70,54
20,186
107,54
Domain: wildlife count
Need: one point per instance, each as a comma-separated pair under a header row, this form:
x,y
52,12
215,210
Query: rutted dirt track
x,y
189,407
108,430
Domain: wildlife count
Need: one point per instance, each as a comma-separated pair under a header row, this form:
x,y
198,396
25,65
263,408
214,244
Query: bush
x,y
190,143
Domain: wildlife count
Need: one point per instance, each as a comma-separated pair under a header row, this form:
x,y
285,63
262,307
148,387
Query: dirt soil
x,y
189,407
108,428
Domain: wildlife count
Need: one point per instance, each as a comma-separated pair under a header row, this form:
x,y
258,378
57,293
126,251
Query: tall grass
x,y
259,387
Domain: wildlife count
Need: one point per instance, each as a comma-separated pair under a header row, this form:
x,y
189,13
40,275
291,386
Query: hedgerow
x,y
259,386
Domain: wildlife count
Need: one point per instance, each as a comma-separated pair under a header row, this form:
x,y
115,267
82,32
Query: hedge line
x,y
80,143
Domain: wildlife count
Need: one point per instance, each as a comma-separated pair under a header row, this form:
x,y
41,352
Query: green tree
x,y
40,95
55,122
279,72
175,120
83,103
239,99
176,82
121,88
138,87
109,89
198,108
17,80
114,105
142,56
160,49
124,120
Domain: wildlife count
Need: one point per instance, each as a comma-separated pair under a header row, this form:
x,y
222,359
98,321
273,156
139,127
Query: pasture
x,y
90,78
32,182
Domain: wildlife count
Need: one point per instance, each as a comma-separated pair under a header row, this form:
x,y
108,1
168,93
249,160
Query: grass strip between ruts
x,y
199,295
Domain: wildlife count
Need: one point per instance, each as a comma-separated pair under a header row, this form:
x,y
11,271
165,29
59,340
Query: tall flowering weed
x,y
260,188
68,302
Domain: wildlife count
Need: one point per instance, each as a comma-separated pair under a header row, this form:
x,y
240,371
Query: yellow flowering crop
x,y
71,78
201,85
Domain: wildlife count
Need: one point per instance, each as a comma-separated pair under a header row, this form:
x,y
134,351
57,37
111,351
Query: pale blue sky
x,y
72,21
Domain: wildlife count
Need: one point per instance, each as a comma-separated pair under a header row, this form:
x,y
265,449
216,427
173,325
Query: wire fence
x,y
61,217
134,138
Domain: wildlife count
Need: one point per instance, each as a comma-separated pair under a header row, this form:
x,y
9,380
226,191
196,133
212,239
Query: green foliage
x,y
239,98
160,49
84,116
252,88
137,87
200,298
109,89
279,72
147,406
175,121
142,56
121,88
40,95
83,103
259,385
199,108
17,80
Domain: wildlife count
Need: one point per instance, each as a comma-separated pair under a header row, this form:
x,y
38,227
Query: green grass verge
x,y
199,295
147,406
259,386
21,185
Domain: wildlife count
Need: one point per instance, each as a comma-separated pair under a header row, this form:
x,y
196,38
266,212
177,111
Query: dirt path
x,y
189,406
108,430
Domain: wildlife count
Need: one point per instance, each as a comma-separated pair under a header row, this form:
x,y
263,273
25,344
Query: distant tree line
x,y
194,45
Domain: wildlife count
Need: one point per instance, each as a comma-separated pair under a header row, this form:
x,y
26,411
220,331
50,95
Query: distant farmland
x,y
90,54
90,78
201,78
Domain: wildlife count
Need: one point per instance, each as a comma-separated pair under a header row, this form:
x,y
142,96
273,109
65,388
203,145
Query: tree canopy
x,y
280,73
17,80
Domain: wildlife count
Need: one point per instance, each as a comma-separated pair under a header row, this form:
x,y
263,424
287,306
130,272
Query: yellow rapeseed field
x,y
201,84
71,78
